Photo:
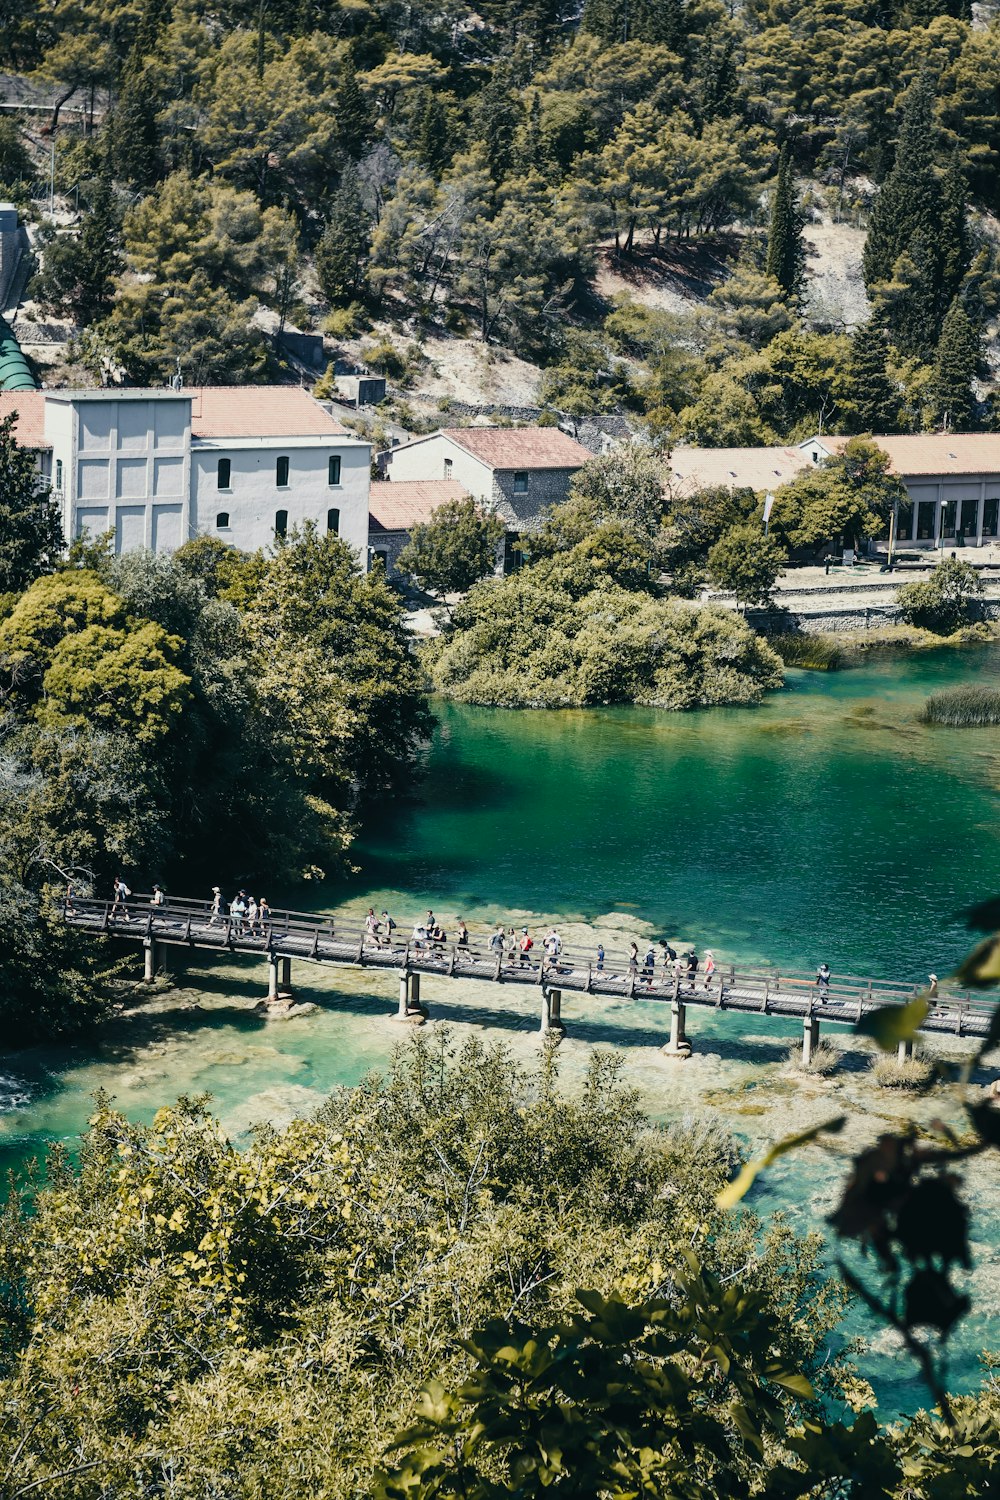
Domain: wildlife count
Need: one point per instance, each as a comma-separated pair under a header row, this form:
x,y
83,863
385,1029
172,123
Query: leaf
x,y
742,1183
797,1384
985,917
892,1024
981,969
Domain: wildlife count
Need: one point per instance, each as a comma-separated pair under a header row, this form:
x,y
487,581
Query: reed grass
x,y
817,653
963,707
912,1075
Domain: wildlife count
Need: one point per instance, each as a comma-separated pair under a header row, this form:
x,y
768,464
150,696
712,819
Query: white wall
x,y
254,499
425,460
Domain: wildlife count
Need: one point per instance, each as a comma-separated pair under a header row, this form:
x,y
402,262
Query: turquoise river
x,y
828,824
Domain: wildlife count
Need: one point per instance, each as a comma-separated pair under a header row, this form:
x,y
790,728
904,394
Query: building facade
x,y
158,467
518,472
952,480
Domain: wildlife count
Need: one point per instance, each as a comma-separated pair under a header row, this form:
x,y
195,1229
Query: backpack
x,y
390,925
125,890
526,945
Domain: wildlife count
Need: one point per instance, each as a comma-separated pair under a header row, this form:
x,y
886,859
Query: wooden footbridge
x,y
288,935
321,939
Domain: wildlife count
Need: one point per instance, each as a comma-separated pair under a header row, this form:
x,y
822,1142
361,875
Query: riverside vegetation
x,y
467,174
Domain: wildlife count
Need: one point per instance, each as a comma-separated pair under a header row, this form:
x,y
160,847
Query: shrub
x,y
824,1061
911,1075
963,707
944,601
817,653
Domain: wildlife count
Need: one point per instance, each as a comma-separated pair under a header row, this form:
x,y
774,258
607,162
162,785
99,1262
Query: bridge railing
x,y
312,935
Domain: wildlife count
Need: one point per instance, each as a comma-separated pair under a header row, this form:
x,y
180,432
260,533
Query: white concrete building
x,y
158,467
952,479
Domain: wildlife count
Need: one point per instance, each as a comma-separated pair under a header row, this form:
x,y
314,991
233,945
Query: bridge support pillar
x,y
149,960
410,1009
552,1022
678,1045
286,974
272,977
904,1051
810,1039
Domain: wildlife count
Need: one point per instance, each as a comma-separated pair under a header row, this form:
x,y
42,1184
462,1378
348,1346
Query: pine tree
x,y
906,305
953,236
342,253
432,135
874,399
100,259
133,138
955,367
785,255
909,202
351,111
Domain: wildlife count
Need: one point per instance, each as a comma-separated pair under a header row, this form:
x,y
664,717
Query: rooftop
x,y
934,452
29,429
737,468
520,447
222,411
398,504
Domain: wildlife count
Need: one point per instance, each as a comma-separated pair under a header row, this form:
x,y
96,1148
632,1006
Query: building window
x,y
281,521
281,473
222,520
333,521
521,482
447,468
224,473
58,473
334,469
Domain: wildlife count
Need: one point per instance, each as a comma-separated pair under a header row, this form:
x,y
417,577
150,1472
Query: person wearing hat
x,y
216,906
932,987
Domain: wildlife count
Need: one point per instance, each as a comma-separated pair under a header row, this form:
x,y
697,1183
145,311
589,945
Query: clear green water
x,y
828,824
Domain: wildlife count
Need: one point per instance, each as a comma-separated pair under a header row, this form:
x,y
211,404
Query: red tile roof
x,y
934,452
29,430
752,468
221,411
398,504
520,447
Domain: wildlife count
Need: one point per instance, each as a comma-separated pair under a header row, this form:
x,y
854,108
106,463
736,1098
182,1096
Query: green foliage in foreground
x,y
963,707
567,632
261,1321
945,601
817,653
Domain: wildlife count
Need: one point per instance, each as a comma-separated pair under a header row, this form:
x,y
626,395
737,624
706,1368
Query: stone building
x,y
516,471
157,467
397,507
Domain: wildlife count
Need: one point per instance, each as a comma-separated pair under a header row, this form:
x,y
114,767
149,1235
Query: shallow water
x,y
828,824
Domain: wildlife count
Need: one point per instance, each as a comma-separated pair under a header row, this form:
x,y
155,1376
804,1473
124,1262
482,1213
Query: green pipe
x,y
15,372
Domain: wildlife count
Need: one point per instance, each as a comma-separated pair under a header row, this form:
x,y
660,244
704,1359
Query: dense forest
x,y
458,170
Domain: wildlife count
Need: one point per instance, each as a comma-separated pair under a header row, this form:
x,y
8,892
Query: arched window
x,y
281,523
334,469
225,473
333,521
222,520
281,473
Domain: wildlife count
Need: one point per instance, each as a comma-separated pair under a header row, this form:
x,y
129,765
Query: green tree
x,y
432,144
351,111
80,271
154,330
454,549
747,563
785,262
31,535
874,398
15,163
909,201
342,253
623,488
945,601
848,499
133,135
956,365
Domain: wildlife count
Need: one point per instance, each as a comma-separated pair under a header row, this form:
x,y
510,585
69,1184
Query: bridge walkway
x,y
291,935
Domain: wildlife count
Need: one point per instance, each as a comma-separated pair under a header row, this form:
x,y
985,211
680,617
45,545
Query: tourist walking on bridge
x,y
386,928
498,941
216,915
371,926
264,916
238,911
823,982
157,898
121,891
709,967
462,941
524,947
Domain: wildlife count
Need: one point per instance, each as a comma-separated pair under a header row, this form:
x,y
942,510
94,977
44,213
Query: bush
x,y
748,562
567,632
943,602
912,1075
817,653
825,1059
963,707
